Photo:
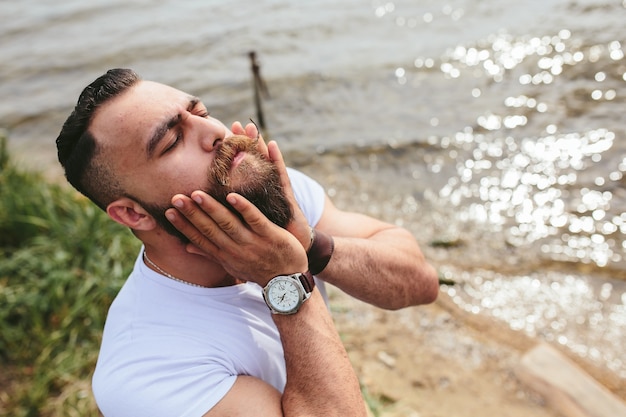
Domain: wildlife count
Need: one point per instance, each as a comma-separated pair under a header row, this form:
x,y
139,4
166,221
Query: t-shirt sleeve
x,y
161,386
309,194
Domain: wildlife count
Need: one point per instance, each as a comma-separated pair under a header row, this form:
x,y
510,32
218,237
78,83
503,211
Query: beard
x,y
255,178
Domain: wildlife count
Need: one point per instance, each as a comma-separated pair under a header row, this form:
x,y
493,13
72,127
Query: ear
x,y
129,213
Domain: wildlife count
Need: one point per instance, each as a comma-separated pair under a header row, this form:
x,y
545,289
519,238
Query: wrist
x,y
285,294
320,251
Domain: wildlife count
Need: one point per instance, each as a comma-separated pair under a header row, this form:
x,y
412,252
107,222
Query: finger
x,y
299,226
262,147
238,129
210,219
196,238
252,131
225,227
253,217
277,158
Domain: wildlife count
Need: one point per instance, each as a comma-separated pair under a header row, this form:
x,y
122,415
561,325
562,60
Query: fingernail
x,y
178,203
197,198
170,216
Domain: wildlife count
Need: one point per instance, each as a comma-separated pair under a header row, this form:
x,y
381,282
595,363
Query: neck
x,y
171,258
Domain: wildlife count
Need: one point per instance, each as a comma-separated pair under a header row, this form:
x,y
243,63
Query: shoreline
x,y
439,360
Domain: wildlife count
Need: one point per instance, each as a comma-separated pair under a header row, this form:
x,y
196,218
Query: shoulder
x,y
155,391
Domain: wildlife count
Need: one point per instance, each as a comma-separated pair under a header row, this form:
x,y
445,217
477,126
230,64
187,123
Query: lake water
x,y
494,130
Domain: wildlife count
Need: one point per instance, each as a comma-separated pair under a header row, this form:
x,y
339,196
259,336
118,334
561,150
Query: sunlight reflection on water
x,y
553,188
558,309
523,176
528,183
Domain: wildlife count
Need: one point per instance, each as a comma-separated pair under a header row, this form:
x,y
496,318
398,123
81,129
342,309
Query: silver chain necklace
x,y
172,277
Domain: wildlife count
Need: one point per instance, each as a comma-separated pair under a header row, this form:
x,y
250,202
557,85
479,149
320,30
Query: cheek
x,y
180,174
184,176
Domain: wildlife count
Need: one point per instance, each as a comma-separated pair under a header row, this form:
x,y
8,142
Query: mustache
x,y
225,155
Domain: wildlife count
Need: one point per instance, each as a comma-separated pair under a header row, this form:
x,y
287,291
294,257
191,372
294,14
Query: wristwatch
x,y
285,294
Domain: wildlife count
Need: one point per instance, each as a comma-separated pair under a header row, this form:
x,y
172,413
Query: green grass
x,y
62,261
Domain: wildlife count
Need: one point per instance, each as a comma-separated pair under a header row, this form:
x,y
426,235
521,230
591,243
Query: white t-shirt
x,y
171,349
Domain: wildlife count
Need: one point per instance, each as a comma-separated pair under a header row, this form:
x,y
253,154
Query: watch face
x,y
284,295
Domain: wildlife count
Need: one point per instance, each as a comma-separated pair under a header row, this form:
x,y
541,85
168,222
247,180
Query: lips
x,y
229,155
238,158
229,151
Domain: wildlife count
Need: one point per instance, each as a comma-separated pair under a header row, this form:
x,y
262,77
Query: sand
x,y
436,361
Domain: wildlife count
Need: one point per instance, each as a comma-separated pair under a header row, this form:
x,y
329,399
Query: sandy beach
x,y
436,360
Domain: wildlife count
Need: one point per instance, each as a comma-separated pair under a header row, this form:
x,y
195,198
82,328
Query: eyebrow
x,y
159,132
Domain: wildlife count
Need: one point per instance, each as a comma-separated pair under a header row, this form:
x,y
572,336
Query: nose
x,y
211,133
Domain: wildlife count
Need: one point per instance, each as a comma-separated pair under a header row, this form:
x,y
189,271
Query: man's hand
x,y
299,226
253,250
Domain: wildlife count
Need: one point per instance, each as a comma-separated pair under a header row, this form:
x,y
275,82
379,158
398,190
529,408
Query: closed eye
x,y
177,140
197,108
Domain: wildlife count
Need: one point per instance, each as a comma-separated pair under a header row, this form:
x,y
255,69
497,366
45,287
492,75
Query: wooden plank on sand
x,y
565,386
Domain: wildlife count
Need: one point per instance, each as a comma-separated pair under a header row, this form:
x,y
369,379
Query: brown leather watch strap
x,y
307,281
320,252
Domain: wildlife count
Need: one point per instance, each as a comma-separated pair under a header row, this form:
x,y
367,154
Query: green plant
x,y
61,263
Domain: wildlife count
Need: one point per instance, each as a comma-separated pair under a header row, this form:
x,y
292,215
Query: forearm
x,y
386,269
320,377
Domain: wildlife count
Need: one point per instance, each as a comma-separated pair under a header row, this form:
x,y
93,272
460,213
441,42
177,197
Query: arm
x,y
320,378
375,261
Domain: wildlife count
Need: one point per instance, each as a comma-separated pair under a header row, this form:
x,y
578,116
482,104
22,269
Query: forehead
x,y
128,119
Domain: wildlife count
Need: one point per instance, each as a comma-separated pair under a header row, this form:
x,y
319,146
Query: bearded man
x,y
222,314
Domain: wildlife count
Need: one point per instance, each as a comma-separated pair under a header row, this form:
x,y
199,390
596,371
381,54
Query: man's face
x,y
161,141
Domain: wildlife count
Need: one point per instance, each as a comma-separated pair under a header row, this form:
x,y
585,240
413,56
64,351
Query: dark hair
x,y
77,148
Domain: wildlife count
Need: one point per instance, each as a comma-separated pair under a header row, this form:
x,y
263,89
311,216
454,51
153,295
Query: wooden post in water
x,y
260,89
